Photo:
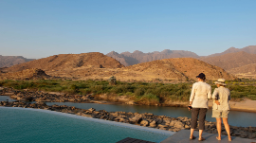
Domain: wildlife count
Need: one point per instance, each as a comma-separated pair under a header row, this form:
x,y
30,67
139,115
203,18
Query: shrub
x,y
85,91
253,97
149,99
73,87
139,92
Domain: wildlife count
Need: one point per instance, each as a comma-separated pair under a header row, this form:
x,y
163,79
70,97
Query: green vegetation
x,y
148,93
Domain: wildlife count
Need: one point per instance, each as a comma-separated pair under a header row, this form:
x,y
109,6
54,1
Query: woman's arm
x,y
192,95
215,93
209,93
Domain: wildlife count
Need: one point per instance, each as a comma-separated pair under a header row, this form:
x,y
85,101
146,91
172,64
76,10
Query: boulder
x,y
176,124
158,120
91,109
153,124
136,119
85,115
144,123
252,135
243,134
162,126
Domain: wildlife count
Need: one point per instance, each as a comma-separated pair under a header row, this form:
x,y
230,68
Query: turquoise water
x,y
236,118
40,126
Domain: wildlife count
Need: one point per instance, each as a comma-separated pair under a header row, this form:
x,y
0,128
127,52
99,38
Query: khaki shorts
x,y
220,114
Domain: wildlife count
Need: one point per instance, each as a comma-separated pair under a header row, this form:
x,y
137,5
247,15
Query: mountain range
x,y
127,58
99,66
233,60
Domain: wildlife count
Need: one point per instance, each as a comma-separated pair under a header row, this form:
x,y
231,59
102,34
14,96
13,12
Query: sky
x,y
42,28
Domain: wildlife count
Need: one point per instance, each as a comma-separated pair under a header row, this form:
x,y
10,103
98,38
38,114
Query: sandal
x,y
192,138
202,139
218,139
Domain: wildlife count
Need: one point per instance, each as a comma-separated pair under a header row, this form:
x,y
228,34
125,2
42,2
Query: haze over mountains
x,y
7,61
127,58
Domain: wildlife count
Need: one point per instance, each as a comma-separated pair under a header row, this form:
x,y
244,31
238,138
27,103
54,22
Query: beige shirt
x,y
224,97
200,94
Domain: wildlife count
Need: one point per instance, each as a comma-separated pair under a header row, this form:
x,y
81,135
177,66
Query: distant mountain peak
x,y
166,51
113,52
138,52
231,50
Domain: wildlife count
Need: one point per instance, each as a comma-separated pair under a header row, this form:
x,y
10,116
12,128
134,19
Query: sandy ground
x,y
244,105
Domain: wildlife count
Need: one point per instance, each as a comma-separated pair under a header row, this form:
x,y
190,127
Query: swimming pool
x,y
33,125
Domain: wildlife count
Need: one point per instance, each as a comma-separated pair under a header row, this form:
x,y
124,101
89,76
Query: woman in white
x,y
220,108
200,93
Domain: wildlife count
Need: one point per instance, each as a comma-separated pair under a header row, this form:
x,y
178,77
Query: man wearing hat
x,y
220,107
200,94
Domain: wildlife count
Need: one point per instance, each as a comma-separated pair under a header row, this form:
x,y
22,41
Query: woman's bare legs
x,y
225,121
200,134
218,120
191,133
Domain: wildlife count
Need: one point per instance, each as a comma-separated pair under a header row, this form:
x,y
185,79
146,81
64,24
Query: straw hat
x,y
220,81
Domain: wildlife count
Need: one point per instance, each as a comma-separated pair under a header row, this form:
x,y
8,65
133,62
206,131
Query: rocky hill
x,y
27,74
179,69
127,58
249,68
7,61
68,62
231,60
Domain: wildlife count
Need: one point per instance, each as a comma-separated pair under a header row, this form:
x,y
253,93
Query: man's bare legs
x,y
225,122
218,120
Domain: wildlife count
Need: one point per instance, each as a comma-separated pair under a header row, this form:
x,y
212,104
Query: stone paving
x,y
183,137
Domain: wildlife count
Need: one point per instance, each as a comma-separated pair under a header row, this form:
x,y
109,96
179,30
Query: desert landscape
x,y
234,65
137,66
127,71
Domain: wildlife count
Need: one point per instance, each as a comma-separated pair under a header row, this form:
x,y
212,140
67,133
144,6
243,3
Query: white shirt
x,y
224,97
200,94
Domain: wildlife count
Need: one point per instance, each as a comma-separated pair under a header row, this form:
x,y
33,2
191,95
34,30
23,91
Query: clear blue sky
x,y
41,28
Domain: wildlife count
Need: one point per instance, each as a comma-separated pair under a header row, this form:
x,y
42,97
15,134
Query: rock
x,y
167,120
153,124
86,115
130,103
162,129
162,126
176,124
187,127
136,119
91,109
243,134
252,135
158,120
144,123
